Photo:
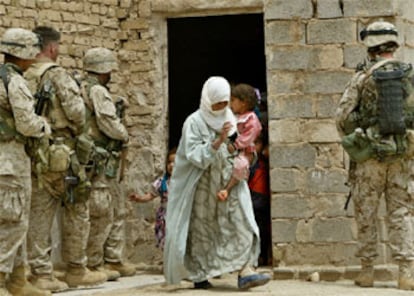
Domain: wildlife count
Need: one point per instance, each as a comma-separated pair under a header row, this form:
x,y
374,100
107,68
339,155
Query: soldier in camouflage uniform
x,y
66,113
375,120
18,121
109,135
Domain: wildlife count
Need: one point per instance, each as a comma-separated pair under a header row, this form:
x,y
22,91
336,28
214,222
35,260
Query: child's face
x,y
237,105
170,163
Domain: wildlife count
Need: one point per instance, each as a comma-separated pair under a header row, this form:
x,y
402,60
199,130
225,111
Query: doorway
x,y
231,46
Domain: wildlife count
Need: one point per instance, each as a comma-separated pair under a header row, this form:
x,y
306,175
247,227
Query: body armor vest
x,y
8,130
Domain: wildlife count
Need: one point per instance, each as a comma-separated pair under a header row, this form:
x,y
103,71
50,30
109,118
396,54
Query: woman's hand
x,y
223,135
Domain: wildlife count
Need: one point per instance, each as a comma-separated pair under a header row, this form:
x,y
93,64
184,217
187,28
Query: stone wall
x,y
311,49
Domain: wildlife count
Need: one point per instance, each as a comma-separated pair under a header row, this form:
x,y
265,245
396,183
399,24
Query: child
x,y
243,102
159,188
260,193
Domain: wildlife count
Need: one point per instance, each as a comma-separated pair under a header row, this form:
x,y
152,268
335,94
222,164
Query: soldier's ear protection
x,y
364,33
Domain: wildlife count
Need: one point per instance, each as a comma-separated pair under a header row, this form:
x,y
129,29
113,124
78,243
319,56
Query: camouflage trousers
x,y
74,227
107,233
396,181
15,193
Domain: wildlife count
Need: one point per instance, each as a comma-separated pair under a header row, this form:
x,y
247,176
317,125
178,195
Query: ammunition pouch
x,y
85,148
361,147
112,165
358,146
100,158
59,156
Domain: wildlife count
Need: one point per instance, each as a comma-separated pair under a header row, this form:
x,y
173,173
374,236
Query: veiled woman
x,y
207,237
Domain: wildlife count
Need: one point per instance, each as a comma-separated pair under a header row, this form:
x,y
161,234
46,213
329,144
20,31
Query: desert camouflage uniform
x,y
106,123
66,112
104,127
372,178
15,180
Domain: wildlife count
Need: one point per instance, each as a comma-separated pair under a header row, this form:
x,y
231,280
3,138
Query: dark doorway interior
x,y
231,46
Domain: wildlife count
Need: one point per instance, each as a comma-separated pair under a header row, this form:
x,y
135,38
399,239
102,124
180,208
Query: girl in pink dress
x,y
243,102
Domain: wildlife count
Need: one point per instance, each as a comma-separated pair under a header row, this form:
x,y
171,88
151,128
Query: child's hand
x,y
133,197
141,198
222,195
231,148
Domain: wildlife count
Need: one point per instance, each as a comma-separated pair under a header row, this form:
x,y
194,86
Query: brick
x,y
326,82
138,24
285,32
369,8
290,206
326,181
285,180
283,231
290,106
299,156
281,9
284,131
320,131
305,58
325,105
285,82
329,9
331,31
334,230
136,45
284,273
354,54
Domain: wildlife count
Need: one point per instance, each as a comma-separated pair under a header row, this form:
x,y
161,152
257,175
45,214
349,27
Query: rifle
x,y
120,111
71,182
351,181
42,96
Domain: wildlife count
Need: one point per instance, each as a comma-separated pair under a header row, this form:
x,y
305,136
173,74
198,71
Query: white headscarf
x,y
216,89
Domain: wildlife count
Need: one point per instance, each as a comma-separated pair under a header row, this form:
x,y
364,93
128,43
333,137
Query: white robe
x,y
228,236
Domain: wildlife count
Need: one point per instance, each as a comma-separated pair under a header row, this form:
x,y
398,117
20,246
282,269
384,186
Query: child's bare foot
x,y
222,195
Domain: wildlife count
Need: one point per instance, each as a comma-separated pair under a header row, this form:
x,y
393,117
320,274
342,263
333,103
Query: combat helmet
x,y
378,33
20,43
99,60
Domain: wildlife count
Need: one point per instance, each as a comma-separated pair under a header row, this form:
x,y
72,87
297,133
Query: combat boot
x,y
82,277
19,286
366,275
49,283
125,269
406,275
3,290
112,275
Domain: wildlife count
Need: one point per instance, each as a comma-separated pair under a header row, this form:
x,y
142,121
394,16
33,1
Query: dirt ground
x,y
227,286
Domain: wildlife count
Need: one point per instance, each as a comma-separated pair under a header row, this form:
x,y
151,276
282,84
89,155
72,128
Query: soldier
x,y
65,110
18,121
375,120
109,135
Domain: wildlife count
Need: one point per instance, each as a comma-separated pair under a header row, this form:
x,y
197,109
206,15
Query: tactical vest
x,y
91,126
8,130
40,83
106,159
